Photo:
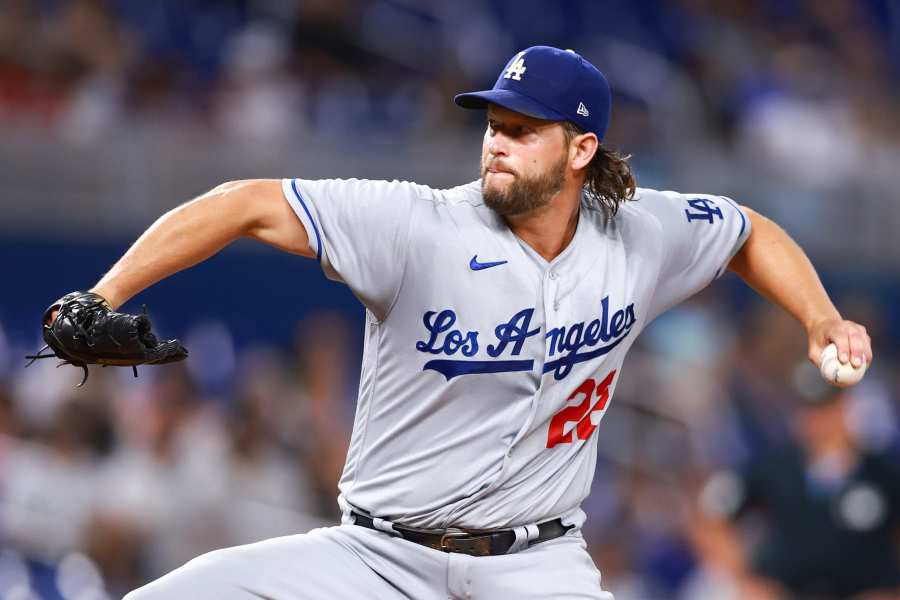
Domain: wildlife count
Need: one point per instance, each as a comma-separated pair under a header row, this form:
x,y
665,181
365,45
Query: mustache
x,y
497,166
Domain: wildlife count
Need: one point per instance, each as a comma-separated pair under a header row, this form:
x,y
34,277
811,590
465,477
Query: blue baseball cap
x,y
552,84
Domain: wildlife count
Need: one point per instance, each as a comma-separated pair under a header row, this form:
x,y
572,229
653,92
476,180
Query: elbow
x,y
237,187
226,207
230,195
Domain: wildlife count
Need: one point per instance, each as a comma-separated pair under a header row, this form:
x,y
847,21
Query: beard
x,y
526,192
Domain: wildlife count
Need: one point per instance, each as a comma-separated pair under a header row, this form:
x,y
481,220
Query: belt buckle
x,y
448,537
465,543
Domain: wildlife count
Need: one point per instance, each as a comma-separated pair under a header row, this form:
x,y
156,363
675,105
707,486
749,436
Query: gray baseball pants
x,y
352,562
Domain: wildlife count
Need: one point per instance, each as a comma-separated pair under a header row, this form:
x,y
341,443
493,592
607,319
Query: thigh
x,y
559,569
320,564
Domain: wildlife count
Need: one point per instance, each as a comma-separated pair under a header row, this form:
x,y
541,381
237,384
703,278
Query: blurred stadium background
x,y
113,111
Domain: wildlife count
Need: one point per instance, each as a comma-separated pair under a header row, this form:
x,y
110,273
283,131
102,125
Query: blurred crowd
x,y
133,477
114,484
790,106
272,70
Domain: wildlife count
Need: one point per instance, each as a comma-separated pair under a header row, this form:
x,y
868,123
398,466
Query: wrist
x,y
815,321
108,295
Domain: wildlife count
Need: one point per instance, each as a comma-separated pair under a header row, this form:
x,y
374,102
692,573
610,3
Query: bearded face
x,y
510,192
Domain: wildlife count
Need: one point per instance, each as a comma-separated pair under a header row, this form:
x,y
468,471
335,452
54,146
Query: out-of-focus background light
x,y
114,111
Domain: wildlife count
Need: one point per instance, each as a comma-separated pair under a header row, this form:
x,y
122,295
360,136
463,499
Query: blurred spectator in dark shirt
x,y
815,518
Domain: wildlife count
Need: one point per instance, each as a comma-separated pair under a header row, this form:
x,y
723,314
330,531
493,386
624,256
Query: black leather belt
x,y
473,543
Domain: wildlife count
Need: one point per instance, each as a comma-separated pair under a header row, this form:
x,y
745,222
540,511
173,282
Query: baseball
x,y
838,373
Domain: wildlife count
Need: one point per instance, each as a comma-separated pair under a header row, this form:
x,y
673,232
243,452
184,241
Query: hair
x,y
609,181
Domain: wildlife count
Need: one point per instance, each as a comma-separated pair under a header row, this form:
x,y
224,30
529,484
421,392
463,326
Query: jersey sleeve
x,y
700,235
359,232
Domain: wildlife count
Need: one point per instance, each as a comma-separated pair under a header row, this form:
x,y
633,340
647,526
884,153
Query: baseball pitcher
x,y
498,316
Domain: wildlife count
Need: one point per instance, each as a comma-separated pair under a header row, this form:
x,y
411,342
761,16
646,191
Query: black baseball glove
x,y
86,331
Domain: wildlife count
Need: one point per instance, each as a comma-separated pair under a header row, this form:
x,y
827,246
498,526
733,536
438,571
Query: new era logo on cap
x,y
552,84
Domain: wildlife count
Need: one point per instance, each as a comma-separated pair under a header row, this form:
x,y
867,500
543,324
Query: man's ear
x,y
582,149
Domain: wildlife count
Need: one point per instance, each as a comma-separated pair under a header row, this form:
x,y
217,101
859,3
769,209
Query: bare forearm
x,y
179,239
776,267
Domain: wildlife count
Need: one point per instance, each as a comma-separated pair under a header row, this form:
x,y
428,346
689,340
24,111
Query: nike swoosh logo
x,y
478,266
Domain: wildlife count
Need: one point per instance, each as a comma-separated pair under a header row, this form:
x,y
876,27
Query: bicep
x,y
272,220
738,263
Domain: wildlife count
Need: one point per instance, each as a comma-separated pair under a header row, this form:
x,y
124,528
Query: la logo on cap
x,y
517,68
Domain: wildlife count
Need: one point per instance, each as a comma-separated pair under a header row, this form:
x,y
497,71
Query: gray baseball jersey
x,y
487,369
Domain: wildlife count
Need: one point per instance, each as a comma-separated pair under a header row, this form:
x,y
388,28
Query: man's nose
x,y
498,145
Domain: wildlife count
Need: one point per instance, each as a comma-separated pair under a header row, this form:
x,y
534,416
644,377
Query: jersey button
x,y
553,275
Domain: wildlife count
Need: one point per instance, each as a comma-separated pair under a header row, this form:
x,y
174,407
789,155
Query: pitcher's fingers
x,y
858,347
841,339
